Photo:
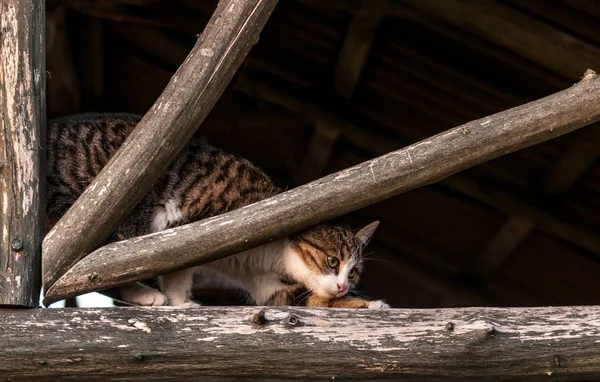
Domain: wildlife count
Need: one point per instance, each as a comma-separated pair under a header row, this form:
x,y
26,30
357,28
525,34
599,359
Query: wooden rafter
x,y
512,233
357,45
523,34
580,154
318,152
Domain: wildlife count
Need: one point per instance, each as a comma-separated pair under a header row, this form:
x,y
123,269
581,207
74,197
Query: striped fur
x,y
316,267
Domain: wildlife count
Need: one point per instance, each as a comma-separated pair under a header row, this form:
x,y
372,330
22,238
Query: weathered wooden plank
x,y
164,130
22,121
216,344
417,165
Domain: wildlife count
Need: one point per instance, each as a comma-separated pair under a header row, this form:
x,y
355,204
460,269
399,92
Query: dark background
x,y
332,83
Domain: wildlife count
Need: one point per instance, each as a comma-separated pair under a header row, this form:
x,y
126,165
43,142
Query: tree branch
x,y
22,118
161,134
417,165
218,344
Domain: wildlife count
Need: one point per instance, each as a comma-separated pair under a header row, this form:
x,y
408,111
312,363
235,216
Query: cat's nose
x,y
342,288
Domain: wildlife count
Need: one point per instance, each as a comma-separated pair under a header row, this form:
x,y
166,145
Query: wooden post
x,y
22,121
160,135
232,344
417,165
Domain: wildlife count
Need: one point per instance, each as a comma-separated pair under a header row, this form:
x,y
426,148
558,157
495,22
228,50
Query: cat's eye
x,y
332,261
353,273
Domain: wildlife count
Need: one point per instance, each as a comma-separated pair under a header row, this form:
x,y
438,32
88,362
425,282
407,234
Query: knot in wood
x,y
259,318
491,333
450,326
292,321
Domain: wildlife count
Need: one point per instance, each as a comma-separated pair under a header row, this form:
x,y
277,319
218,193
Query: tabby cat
x,y
314,268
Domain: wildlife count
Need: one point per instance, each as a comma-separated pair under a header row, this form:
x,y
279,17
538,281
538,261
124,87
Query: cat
x,y
316,267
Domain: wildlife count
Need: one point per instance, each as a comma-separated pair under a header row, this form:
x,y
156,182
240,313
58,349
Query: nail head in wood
x,y
17,245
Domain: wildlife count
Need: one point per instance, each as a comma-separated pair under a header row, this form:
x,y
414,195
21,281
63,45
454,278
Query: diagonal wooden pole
x,y
22,121
193,90
417,165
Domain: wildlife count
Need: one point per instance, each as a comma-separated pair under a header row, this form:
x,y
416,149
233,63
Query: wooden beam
x,y
355,134
356,46
516,31
318,152
250,343
188,98
22,122
64,97
580,155
509,203
92,59
509,237
417,165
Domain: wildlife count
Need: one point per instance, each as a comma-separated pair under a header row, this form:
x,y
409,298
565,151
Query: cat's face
x,y
329,259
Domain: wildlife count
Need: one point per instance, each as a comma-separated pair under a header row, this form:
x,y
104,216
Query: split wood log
x,y
226,344
417,165
22,119
160,135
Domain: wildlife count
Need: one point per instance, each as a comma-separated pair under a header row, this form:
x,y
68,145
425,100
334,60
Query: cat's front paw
x,y
378,304
148,297
189,304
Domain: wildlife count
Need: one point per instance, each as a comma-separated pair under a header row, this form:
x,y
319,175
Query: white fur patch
x,y
342,278
378,304
167,215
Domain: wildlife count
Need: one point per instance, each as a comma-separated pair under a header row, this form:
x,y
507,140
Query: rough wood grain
x,y
166,127
217,344
22,118
417,165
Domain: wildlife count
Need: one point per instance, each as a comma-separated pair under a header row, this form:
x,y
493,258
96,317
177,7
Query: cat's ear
x,y
366,233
